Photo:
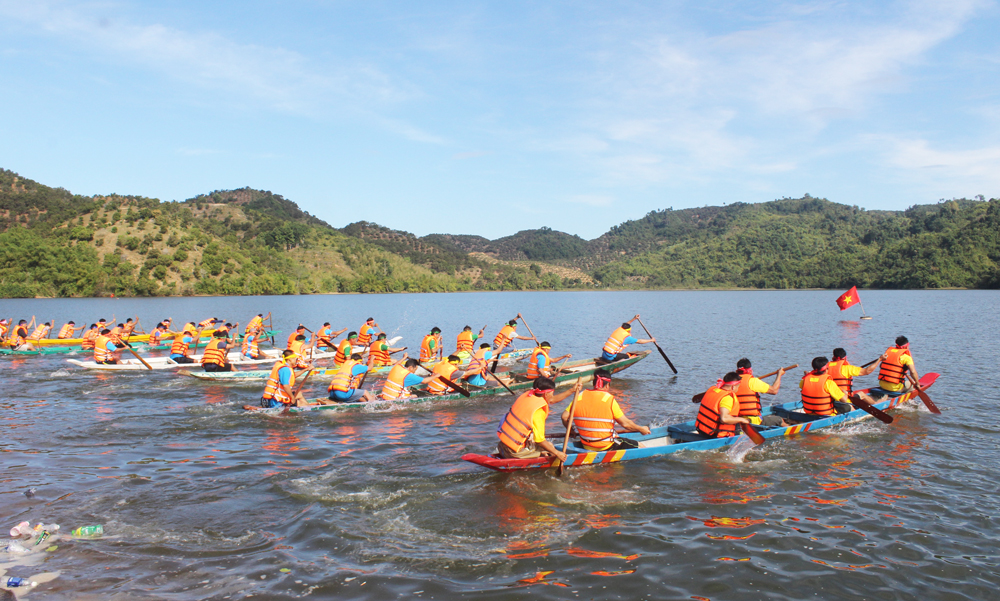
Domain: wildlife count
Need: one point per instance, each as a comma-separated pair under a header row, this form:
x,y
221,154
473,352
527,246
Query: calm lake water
x,y
201,501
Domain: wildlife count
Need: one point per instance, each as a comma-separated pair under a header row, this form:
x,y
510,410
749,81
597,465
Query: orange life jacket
x,y
838,377
465,341
214,354
343,353
256,321
66,331
815,399
101,352
426,352
17,336
365,335
709,420
393,387
379,356
87,342
128,328
323,335
616,342
533,362
892,369
443,368
116,334
179,347
594,419
749,400
477,364
250,346
344,380
515,428
205,322
504,337
39,332
292,337
154,337
273,390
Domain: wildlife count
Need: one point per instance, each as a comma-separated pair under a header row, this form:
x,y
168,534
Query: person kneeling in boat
x,y
325,336
522,431
617,342
379,352
345,349
843,373
820,394
182,344
279,389
718,414
106,352
346,381
448,369
466,340
539,364
595,414
892,373
475,374
216,353
401,377
250,349
749,391
507,334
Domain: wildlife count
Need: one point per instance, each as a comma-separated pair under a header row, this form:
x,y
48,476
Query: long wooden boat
x,y
683,437
160,363
254,377
205,334
571,372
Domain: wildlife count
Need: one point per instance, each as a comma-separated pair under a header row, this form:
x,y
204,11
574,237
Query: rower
x,y
250,348
522,431
106,352
347,379
820,394
892,373
430,346
345,349
216,353
843,373
401,377
255,322
466,340
617,342
539,364
69,330
116,335
444,369
749,391
595,415
128,328
19,336
157,334
87,342
325,336
367,332
475,374
299,331
298,346
182,345
507,334
379,351
41,331
278,391
718,414
4,326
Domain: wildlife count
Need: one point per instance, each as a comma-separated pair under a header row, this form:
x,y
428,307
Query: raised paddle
x,y
923,395
875,412
501,382
870,362
665,358
752,433
447,382
529,329
569,428
789,368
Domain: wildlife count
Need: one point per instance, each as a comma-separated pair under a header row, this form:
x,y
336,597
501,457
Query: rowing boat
x,y
570,372
159,363
254,376
683,437
205,335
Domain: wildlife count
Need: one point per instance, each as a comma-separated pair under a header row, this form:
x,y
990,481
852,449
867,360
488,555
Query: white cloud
x,y
977,169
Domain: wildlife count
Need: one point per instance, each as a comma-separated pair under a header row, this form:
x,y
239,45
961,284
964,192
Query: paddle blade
x,y
875,412
752,433
698,397
928,402
666,358
455,387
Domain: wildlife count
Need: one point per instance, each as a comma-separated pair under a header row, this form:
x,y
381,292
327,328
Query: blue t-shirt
x,y
542,361
411,380
186,340
359,369
609,357
285,375
111,346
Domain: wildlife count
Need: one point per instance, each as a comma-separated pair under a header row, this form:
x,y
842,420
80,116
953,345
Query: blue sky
x,y
492,117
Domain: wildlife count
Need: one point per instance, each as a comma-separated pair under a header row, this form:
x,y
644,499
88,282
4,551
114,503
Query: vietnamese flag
x,y
848,298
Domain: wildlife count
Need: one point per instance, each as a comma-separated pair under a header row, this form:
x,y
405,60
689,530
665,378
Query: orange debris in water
x,y
618,573
733,559
577,552
730,537
730,522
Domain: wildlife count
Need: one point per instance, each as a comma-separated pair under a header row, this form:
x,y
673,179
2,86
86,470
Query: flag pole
x,y
863,314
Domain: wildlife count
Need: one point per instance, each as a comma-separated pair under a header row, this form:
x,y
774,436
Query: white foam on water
x,y
738,450
60,373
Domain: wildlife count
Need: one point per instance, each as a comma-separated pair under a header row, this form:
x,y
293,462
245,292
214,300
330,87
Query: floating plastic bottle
x,y
83,531
14,582
20,530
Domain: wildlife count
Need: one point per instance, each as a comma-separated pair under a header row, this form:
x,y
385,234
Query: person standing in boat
x,y
466,340
401,378
619,339
522,431
843,373
346,381
749,391
595,414
507,334
820,394
718,415
896,364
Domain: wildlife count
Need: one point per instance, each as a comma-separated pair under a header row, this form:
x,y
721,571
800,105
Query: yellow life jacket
x,y
616,342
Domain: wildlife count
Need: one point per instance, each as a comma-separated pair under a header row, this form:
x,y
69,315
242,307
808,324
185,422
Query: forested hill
x,y
55,243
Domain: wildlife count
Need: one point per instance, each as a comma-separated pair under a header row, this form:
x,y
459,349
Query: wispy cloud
x,y
963,171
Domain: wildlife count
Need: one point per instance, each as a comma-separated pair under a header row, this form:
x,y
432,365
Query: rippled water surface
x,y
200,501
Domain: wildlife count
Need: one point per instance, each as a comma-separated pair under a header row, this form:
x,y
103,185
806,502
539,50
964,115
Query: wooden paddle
x,y
875,412
665,358
447,382
143,361
569,428
923,395
529,329
698,397
501,382
870,362
752,433
298,388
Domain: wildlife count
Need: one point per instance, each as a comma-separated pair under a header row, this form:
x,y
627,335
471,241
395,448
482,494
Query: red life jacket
x,y
709,421
815,399
838,377
749,400
515,428
594,419
892,369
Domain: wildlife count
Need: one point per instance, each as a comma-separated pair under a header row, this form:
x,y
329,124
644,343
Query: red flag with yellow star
x,y
849,298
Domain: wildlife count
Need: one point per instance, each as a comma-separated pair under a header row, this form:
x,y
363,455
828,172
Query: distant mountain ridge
x,y
247,241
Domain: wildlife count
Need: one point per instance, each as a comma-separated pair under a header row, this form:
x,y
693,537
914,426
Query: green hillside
x,y
55,243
